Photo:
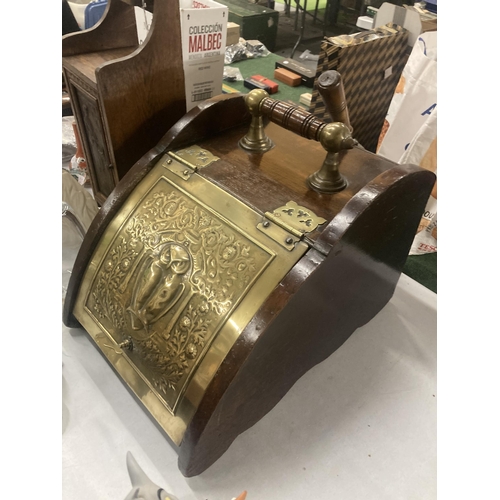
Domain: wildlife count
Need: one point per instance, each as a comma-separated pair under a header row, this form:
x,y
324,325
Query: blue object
x,y
431,6
94,12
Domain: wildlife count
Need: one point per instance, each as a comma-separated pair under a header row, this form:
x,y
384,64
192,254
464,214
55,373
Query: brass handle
x,y
288,116
334,137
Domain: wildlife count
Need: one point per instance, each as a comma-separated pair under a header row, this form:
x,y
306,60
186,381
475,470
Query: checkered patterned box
x,y
370,64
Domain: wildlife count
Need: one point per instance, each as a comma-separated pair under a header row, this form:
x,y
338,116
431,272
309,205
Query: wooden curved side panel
x,y
211,117
143,94
114,30
319,304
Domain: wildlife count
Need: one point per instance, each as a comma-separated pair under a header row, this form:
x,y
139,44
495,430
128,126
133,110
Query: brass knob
x,y
256,140
335,137
254,99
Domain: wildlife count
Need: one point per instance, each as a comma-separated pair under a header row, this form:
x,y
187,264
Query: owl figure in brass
x,y
159,284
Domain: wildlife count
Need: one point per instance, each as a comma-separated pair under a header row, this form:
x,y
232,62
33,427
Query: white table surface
x,y
360,425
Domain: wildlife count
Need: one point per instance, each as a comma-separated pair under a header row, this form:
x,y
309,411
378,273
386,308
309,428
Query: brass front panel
x,y
177,275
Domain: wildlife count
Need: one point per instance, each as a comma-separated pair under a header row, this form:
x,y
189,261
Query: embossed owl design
x,y
159,283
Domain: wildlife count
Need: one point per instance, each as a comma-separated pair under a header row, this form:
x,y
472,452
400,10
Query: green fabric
x,y
423,268
265,66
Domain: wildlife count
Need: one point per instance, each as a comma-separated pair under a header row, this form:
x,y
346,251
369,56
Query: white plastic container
x,y
78,8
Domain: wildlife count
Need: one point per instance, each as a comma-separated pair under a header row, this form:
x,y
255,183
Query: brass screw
x,y
126,344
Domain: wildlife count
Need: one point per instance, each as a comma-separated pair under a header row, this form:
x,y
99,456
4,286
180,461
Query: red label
x,y
201,43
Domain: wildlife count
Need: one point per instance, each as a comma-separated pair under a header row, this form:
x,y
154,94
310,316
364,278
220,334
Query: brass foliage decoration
x,y
223,264
115,267
185,342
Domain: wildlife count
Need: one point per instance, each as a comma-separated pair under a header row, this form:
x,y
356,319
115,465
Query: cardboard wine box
x,y
370,64
204,31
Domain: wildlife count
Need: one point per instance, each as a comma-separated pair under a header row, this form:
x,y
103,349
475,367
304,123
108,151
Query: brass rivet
x,y
186,172
289,241
126,344
266,223
169,161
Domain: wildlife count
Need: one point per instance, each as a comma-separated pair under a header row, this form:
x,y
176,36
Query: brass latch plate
x,y
289,223
185,162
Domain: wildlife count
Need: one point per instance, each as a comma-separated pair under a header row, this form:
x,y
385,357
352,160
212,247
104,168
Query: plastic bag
x,y
245,49
409,134
232,74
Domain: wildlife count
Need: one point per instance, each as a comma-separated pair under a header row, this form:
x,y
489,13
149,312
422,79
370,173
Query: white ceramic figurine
x,y
144,489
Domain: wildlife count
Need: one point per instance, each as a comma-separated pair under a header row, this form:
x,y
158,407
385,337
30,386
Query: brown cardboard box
x,y
288,77
429,25
233,33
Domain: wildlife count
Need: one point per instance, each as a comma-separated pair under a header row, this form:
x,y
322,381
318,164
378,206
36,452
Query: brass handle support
x,y
256,140
334,137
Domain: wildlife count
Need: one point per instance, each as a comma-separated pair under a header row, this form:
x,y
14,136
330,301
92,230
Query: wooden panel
x,y
139,89
93,137
84,65
143,94
317,306
115,29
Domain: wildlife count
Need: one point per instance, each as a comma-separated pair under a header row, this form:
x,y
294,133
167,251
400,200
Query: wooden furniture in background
x,y
125,96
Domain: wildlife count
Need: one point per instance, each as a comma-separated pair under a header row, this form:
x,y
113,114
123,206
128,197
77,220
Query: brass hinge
x,y
289,224
185,162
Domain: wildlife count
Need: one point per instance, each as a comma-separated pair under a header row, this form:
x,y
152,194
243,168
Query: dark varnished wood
x,y
267,181
314,310
331,90
139,90
344,279
293,118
